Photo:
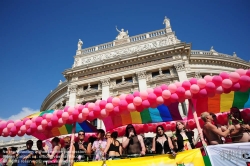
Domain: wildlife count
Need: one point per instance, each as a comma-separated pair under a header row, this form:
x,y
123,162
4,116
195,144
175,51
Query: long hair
x,y
156,130
114,135
176,129
236,109
129,126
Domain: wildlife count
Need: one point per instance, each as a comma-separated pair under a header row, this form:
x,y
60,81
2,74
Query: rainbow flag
x,y
221,103
162,113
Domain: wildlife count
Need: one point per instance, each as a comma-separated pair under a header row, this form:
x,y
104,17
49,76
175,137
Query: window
x,y
166,71
129,79
156,73
118,81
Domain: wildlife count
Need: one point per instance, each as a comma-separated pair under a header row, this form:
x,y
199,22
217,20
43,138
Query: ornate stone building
x,y
135,63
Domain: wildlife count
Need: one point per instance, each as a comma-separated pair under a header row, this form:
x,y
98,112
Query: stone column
x,y
105,95
181,71
141,75
72,89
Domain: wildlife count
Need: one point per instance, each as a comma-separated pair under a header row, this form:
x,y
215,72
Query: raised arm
x,y
107,146
55,150
217,131
125,142
117,29
153,145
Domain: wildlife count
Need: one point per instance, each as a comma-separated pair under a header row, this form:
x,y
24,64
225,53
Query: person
x,y
25,156
183,139
90,152
211,132
99,145
79,44
166,22
161,143
80,147
53,157
40,154
1,157
132,142
113,147
65,157
121,34
240,129
108,135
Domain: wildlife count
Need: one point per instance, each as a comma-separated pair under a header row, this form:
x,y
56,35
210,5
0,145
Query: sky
x,y
38,38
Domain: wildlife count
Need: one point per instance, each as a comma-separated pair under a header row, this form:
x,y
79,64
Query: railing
x,y
132,39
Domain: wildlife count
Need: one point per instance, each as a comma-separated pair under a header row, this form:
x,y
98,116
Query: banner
x,y
229,154
187,158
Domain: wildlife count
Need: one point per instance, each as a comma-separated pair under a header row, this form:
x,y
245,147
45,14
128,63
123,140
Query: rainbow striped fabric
x,y
151,115
221,103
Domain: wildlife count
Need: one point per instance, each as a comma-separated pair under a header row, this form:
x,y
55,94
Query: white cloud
x,y
25,112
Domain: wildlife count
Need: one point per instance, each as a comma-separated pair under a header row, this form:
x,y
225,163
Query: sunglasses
x,y
80,134
108,135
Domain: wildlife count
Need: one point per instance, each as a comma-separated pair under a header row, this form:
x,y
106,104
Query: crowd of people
x,y
108,147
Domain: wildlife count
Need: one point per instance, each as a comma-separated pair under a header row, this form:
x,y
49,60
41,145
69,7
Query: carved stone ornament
x,y
197,75
72,88
180,66
141,75
105,82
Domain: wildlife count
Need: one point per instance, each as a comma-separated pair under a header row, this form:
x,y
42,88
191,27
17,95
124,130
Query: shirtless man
x,y
211,132
239,133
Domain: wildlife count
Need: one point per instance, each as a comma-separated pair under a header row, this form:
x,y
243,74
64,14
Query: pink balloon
x,y
115,101
71,109
201,83
219,90
104,113
65,116
248,72
13,130
227,83
186,85
164,87
5,132
188,94
85,111
180,91
91,106
20,133
54,120
33,126
224,75
109,100
178,84
144,95
241,72
80,118
3,124
194,89
123,105
234,76
102,104
48,117
208,78
172,88
145,104
152,98
49,126
193,81
203,93
139,108
23,128
217,80
79,108
28,123
136,94
38,120
226,90
40,128
75,114
236,87
131,107
10,125
18,123
33,119
181,99
129,98
158,91
66,108
60,121
166,94
174,97
210,87
44,123
160,100
150,90
244,81
97,102
109,107
116,110
122,96
97,111
10,121
137,101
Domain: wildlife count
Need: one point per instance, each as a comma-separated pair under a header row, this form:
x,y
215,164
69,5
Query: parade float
x,y
145,110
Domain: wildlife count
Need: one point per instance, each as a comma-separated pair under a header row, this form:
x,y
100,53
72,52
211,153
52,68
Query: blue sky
x,y
38,38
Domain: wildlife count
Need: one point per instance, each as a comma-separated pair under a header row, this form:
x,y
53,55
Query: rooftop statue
x,y
79,44
121,34
166,22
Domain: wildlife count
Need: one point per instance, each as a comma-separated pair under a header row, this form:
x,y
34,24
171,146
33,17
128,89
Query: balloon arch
x,y
138,101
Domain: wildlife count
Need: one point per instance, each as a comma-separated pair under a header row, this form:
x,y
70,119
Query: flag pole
x,y
197,123
71,142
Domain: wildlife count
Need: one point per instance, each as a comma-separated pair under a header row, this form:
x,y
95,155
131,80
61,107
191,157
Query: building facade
x,y
135,63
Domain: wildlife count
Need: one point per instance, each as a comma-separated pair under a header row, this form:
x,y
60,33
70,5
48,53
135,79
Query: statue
x,y
79,45
89,86
60,82
121,34
123,79
166,22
